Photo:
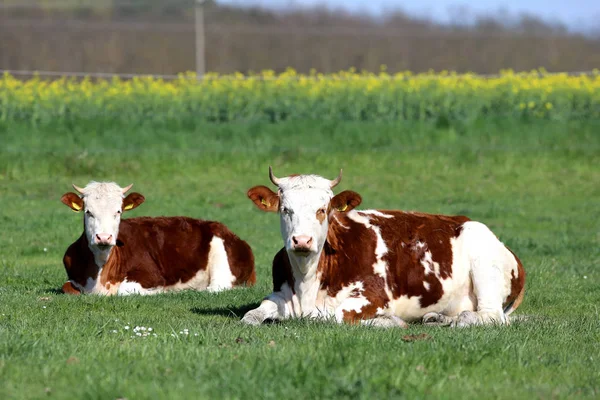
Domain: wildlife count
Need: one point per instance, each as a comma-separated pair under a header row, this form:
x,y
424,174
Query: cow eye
x,y
321,211
119,212
89,213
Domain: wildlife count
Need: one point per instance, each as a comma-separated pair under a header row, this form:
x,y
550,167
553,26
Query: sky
x,y
576,14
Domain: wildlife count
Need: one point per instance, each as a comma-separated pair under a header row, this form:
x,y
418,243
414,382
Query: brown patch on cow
x,y
68,288
73,201
345,201
408,237
321,214
133,200
79,264
160,252
264,198
517,287
282,271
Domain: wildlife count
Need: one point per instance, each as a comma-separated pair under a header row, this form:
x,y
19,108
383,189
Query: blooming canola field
x,y
267,96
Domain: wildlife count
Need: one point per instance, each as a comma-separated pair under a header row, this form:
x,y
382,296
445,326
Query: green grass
x,y
537,185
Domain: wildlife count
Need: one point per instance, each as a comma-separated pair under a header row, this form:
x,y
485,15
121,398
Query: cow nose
x,y
103,238
302,242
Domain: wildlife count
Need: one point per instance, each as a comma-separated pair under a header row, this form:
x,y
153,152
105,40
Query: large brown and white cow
x,y
148,255
379,267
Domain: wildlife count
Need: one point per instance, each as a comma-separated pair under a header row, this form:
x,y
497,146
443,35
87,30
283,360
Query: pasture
x,y
536,184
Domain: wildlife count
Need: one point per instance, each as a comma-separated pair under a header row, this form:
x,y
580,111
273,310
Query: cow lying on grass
x,y
383,268
148,255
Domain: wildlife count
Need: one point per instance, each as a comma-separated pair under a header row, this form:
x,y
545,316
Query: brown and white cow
x,y
148,255
379,267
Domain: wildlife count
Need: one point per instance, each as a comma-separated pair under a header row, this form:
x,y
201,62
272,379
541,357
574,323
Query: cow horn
x,y
273,178
125,189
80,190
336,181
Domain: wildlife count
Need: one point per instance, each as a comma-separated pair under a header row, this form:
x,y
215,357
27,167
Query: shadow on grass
x,y
226,311
52,291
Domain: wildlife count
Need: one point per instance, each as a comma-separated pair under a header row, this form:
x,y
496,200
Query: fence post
x,y
200,47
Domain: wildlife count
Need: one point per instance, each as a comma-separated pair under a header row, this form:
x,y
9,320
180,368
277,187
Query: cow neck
x,y
101,256
306,280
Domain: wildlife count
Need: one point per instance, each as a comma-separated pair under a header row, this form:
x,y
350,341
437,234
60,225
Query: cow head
x,y
102,203
305,204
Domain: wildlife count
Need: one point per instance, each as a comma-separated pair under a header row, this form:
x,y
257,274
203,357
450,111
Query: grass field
x,y
537,185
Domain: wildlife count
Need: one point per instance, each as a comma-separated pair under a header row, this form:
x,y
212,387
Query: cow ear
x,y
345,201
264,198
73,201
132,201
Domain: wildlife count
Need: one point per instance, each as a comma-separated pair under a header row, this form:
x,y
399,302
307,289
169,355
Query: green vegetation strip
x,y
345,96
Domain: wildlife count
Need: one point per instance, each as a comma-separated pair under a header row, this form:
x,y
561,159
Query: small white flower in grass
x,y
585,277
195,334
45,249
114,331
138,334
126,327
43,306
150,329
154,334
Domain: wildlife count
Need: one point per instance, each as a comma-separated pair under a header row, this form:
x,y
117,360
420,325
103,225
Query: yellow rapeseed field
x,y
347,95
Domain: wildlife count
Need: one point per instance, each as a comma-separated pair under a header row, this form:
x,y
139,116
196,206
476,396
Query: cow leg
x,y
437,319
490,263
385,322
273,307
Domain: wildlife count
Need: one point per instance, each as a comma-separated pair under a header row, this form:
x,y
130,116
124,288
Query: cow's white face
x,y
305,203
102,203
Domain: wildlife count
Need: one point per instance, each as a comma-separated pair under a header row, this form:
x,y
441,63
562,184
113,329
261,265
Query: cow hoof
x,y
466,318
252,319
436,319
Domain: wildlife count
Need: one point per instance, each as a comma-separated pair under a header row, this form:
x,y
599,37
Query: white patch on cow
x,y
427,263
349,301
377,213
338,222
100,255
129,287
306,287
92,286
197,282
219,271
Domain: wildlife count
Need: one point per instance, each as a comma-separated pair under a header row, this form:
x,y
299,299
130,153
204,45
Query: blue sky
x,y
575,13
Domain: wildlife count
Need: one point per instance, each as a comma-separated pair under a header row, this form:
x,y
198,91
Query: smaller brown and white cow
x,y
148,255
380,267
